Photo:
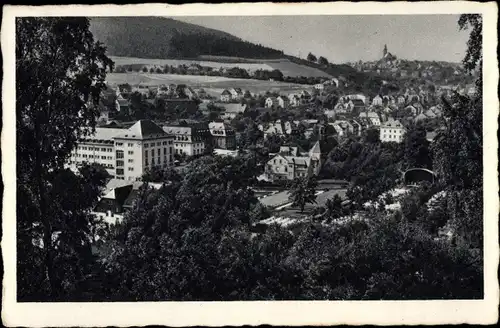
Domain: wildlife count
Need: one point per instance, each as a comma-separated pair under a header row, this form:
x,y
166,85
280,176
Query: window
x,y
119,143
164,143
153,161
103,157
131,152
130,168
130,144
165,151
146,145
119,154
171,151
158,151
158,143
119,171
110,150
170,157
119,163
130,160
146,153
103,149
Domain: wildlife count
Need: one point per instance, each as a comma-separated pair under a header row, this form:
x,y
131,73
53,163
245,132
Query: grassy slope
x,y
212,84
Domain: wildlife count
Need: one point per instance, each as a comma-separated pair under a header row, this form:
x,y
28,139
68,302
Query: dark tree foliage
x,y
184,45
60,72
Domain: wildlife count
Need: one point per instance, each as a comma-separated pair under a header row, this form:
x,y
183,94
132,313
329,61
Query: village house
x,y
236,93
225,96
122,106
283,102
392,131
232,110
372,116
294,100
279,128
355,105
319,86
285,167
271,102
377,101
412,109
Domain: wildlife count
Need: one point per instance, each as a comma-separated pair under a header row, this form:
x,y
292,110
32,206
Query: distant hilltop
x,y
160,38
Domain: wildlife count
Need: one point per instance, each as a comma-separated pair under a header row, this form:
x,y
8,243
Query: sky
x,y
348,38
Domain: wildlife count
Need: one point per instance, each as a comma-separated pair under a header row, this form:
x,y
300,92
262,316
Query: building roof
x,y
391,123
315,149
143,129
234,108
177,130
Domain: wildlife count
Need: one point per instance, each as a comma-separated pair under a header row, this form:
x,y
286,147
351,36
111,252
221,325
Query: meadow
x,y
213,85
287,67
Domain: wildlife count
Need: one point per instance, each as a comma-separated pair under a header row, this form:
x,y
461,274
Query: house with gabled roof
x,y
283,167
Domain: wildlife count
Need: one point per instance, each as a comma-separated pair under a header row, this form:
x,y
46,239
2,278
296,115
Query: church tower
x,y
385,50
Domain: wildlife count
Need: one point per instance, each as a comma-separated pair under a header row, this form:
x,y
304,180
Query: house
x,y
319,86
357,128
232,110
225,96
110,206
412,109
355,105
339,129
283,102
340,107
236,93
222,135
392,131
377,101
305,95
271,102
279,128
294,100
372,116
122,106
283,167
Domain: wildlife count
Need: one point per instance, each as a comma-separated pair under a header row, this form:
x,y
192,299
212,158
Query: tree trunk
x,y
47,228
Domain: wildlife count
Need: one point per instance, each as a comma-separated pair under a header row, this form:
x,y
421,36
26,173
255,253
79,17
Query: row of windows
x,y
158,150
390,136
158,144
109,166
106,150
94,156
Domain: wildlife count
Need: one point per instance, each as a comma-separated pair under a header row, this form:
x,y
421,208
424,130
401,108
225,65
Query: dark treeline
x,y
196,44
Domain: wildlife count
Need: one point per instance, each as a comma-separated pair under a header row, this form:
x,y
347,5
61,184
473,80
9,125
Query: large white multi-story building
x,y
126,153
392,131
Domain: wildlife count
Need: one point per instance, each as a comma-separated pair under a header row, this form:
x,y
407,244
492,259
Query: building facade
x,y
189,140
392,131
126,153
223,136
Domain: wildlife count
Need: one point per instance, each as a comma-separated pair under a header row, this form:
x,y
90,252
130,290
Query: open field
x,y
287,67
213,85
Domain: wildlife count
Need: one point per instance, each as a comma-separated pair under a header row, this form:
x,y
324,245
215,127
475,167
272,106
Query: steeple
x,y
385,50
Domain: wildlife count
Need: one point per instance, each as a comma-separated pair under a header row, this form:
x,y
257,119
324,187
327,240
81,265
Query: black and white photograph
x,y
170,156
